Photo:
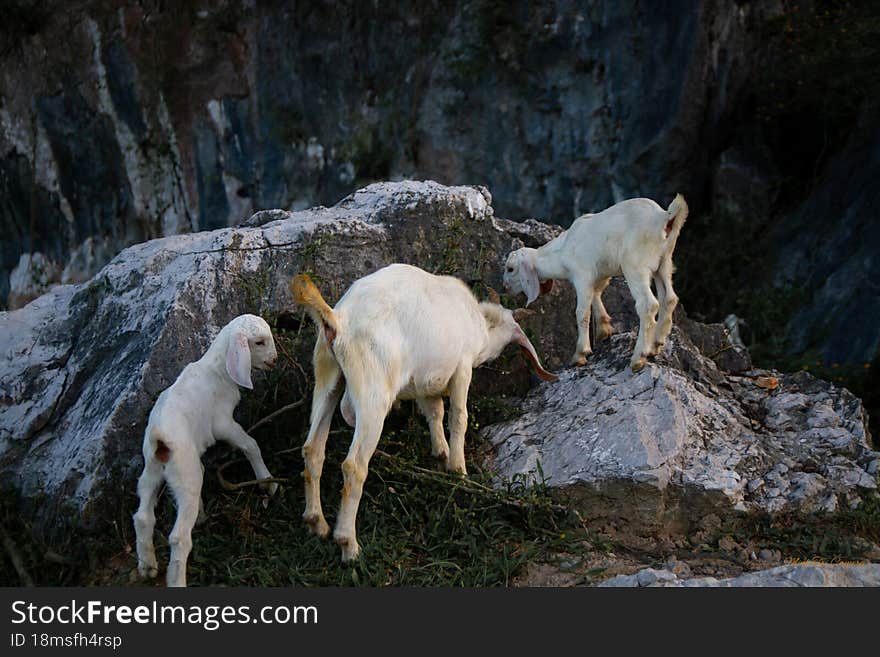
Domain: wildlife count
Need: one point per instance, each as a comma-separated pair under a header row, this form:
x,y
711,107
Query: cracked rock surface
x,y
666,445
81,366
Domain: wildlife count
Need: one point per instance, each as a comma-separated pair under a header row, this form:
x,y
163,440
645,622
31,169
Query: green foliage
x,y
844,536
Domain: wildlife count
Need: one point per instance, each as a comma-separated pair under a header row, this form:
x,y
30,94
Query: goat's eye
x,y
510,270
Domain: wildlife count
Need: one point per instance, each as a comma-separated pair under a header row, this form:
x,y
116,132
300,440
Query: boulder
x,y
81,366
684,438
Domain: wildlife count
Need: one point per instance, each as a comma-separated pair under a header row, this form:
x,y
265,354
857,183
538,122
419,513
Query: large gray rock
x,y
81,366
791,575
683,437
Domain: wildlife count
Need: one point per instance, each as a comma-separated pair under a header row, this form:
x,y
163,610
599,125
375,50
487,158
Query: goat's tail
x,y
306,294
676,215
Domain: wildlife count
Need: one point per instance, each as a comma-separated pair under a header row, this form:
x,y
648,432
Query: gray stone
x,y
621,581
683,438
81,366
651,576
797,575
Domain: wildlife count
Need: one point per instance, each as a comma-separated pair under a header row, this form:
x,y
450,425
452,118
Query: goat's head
x,y
521,275
504,329
250,344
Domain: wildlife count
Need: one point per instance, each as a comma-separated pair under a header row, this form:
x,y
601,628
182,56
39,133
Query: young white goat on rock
x,y
190,416
399,333
635,238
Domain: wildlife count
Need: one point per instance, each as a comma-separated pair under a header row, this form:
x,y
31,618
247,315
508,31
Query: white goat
x,y
635,238
189,416
399,333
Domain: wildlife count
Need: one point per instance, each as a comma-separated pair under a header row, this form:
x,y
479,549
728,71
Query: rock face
x,y
829,246
664,446
81,366
793,575
128,123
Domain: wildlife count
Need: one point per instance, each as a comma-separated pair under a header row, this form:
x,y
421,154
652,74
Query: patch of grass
x,y
417,526
843,536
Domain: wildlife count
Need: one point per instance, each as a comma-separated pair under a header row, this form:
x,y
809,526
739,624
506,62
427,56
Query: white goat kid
x,y
635,238
399,333
189,416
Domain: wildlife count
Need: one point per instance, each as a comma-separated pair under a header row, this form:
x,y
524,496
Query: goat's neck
x,y
490,351
549,261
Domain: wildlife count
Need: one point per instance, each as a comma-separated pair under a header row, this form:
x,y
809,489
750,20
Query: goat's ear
x,y
528,278
528,350
238,360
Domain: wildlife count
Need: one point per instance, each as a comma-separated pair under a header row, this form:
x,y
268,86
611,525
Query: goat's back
x,y
631,231
414,323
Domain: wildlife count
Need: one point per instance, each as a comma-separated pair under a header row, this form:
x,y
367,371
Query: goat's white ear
x,y
528,278
238,360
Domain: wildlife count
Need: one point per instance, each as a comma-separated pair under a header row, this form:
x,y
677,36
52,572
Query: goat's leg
x,y
324,401
368,429
202,517
184,476
145,517
584,288
668,302
603,319
230,431
432,409
458,417
639,283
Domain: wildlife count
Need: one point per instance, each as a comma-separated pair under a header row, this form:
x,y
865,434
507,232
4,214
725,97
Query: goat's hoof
x,y
580,359
176,575
604,332
147,570
638,365
350,548
442,456
658,347
269,489
456,468
317,525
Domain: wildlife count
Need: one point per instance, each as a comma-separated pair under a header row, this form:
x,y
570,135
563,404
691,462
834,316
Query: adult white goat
x,y
189,416
399,333
635,238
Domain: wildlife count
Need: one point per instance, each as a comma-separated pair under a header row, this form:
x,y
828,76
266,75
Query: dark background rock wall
x,y
127,121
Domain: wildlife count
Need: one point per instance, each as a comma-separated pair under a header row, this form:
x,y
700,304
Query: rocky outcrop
x,y
684,438
81,366
791,575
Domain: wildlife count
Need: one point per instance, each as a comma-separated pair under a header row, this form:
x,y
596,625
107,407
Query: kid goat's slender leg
x,y
145,517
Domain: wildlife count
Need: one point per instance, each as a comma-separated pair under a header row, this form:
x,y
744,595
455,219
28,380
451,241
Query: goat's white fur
x,y
399,333
189,416
635,238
